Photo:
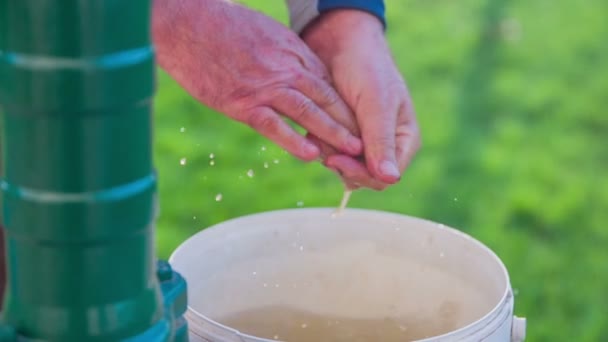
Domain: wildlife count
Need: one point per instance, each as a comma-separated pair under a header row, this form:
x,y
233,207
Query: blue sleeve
x,y
375,7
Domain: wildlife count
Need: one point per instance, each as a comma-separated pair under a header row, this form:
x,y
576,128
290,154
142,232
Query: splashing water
x,y
218,197
182,130
212,162
343,203
211,156
300,203
276,161
265,165
182,161
250,173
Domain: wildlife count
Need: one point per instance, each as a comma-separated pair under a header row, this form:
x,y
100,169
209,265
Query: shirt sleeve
x,y
302,12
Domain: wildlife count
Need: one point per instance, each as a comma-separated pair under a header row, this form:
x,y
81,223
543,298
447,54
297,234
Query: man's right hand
x,y
253,69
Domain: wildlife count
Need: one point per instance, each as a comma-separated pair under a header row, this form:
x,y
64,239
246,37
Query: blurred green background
x,y
511,97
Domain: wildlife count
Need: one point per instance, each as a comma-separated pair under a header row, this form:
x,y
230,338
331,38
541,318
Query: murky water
x,y
352,293
293,325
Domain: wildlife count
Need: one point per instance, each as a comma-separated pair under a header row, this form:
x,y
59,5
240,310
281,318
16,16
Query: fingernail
x,y
389,169
354,145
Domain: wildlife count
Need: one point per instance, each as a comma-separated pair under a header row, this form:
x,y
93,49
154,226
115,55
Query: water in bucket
x,y
301,275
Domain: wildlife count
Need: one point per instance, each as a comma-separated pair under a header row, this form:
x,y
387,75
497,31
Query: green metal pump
x,y
77,179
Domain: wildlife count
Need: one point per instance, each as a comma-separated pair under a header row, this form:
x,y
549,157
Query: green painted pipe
x,y
78,185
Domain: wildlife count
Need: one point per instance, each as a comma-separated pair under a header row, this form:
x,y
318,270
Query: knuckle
x,y
304,109
337,132
263,122
295,77
328,96
384,141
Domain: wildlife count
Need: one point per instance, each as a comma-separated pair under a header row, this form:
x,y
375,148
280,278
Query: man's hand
x,y
351,43
253,69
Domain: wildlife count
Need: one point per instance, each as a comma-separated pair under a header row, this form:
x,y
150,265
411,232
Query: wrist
x,y
343,30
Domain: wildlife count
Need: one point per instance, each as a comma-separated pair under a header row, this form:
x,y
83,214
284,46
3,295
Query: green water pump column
x,y
77,180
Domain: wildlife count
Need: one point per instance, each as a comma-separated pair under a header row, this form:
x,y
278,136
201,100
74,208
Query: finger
x,y
307,114
378,122
408,137
328,99
268,123
353,172
325,149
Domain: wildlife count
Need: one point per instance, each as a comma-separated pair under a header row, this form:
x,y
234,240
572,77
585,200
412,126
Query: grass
x,y
511,97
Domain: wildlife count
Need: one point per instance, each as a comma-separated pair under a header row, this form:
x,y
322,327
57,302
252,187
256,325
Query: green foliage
x,y
511,97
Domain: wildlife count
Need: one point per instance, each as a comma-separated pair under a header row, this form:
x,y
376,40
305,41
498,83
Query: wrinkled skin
x,y
253,69
339,82
352,46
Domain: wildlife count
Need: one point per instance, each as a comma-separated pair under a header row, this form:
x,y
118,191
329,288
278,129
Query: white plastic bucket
x,y
360,266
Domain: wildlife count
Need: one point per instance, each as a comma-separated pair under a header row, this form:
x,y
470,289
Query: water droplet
x,y
182,130
455,199
276,337
276,285
300,203
276,161
182,161
212,162
211,156
441,255
194,217
304,325
265,285
403,328
515,291
265,165
254,273
397,229
218,197
263,148
250,173
301,248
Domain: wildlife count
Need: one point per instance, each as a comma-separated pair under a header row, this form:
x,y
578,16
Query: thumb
x,y
378,129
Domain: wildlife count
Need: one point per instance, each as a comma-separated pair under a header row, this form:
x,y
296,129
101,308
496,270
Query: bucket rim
x,y
486,320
